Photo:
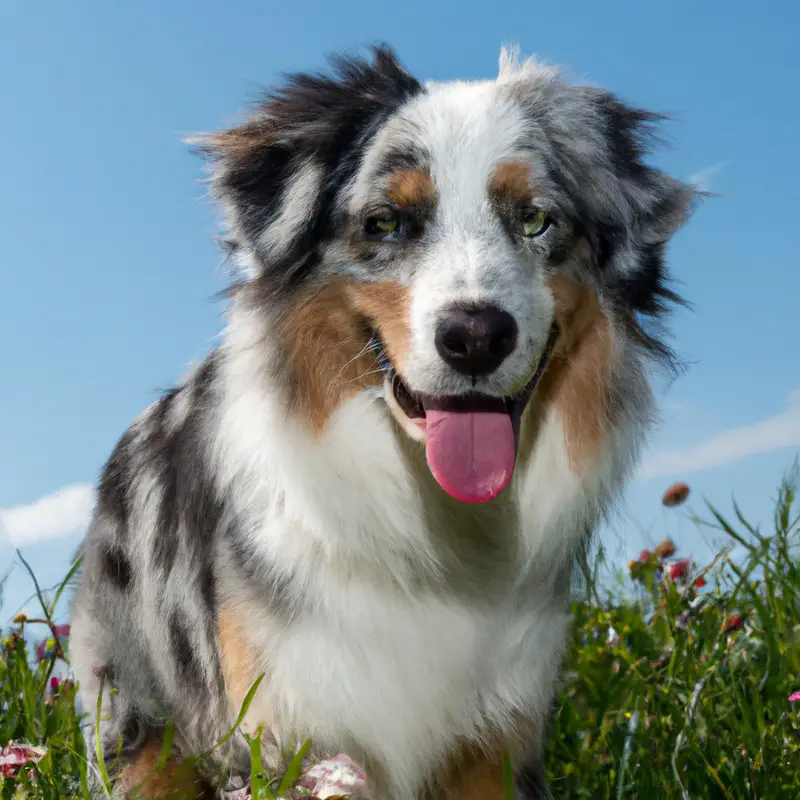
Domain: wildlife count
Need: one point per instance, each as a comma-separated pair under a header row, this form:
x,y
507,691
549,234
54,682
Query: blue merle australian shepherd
x,y
432,384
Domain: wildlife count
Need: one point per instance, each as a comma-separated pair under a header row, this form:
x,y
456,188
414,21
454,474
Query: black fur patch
x,y
208,589
531,783
181,643
273,586
163,460
112,497
117,567
324,119
188,505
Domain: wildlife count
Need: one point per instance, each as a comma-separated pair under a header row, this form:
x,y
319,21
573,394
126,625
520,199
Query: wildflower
x,y
55,683
336,777
794,697
644,556
678,569
45,648
665,549
19,619
62,631
676,495
48,646
700,583
15,755
733,623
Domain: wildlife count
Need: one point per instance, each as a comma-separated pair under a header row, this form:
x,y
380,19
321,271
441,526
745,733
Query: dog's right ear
x,y
249,177
276,175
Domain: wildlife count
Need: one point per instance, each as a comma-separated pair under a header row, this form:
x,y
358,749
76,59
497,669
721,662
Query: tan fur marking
x,y
472,775
475,772
577,379
388,305
411,187
325,338
511,183
175,781
238,666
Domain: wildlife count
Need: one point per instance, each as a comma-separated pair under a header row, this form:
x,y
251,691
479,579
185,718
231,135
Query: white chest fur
x,y
405,678
396,651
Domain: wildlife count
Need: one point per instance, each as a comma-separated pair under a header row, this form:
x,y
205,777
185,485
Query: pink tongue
x,y
470,450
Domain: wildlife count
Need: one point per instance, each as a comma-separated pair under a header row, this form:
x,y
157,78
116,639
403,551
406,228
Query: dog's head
x,y
450,242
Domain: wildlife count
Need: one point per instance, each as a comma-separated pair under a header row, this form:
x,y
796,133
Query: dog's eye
x,y
381,224
534,223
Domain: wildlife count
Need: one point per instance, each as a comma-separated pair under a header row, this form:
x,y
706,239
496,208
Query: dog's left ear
x,y
276,174
650,206
597,149
631,208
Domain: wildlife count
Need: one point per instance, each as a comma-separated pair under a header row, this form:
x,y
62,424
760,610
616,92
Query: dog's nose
x,y
476,341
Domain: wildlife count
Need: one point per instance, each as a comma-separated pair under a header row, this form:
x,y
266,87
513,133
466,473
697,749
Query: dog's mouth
x,y
470,440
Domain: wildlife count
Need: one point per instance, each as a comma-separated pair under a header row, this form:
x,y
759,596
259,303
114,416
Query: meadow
x,y
682,680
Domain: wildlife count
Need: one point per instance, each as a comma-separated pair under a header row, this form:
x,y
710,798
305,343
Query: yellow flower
x,y
19,619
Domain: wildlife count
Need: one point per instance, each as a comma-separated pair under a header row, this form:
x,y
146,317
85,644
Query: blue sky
x,y
106,239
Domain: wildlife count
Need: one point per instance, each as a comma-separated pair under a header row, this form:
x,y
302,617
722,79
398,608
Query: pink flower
x,y
15,755
793,698
62,631
678,569
645,555
336,777
47,647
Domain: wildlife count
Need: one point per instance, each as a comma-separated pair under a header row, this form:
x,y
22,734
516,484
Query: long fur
x,y
272,516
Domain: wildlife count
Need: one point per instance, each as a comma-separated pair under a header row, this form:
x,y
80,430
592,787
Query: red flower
x,y
645,555
733,623
700,583
678,569
676,495
54,684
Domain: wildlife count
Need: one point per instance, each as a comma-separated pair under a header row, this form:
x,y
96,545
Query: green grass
x,y
670,690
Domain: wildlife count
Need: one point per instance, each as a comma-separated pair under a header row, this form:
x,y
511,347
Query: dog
x,y
368,500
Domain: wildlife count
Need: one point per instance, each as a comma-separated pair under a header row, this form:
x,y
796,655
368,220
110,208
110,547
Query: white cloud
x,y
62,513
773,433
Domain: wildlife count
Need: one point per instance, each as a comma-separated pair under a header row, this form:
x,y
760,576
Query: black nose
x,y
476,341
